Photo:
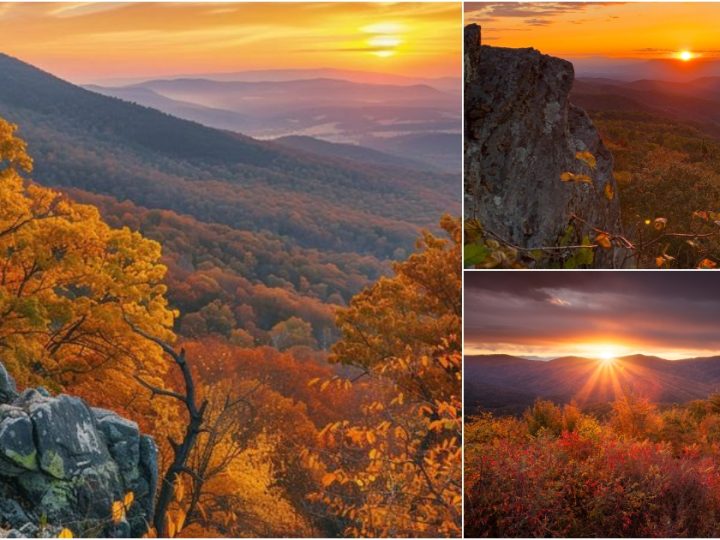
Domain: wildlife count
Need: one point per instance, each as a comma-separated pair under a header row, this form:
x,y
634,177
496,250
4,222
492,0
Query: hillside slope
x,y
108,146
254,232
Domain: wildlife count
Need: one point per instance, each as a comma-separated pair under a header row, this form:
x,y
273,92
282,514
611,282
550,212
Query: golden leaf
x,y
609,192
179,491
129,498
65,533
118,512
586,157
170,527
180,520
572,177
603,240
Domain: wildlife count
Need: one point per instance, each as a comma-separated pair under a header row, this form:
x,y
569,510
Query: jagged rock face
x,y
521,134
63,464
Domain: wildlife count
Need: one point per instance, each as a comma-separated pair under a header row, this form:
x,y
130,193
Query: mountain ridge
x,y
499,383
54,115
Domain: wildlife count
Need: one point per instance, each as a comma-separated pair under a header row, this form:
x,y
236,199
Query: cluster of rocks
x,y
521,134
63,464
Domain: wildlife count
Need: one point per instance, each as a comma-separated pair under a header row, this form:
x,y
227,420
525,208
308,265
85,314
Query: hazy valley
x,y
285,228
410,118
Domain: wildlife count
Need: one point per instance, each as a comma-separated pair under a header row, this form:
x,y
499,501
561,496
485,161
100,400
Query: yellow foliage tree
x,y
399,472
69,287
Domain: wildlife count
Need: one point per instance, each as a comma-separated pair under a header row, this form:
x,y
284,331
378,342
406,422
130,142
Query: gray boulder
x,y
8,390
63,464
521,134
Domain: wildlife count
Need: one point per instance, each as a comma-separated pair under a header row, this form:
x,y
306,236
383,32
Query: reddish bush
x,y
594,481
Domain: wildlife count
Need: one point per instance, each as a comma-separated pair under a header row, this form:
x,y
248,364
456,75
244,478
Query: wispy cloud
x,y
81,9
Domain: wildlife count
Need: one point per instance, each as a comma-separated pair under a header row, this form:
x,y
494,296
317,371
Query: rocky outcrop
x,y
521,134
63,464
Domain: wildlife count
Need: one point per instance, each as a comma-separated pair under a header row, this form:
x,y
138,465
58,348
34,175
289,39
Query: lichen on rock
x,y
63,464
521,134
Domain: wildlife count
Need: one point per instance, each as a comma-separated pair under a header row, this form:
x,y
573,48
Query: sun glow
x,y
605,352
685,56
384,38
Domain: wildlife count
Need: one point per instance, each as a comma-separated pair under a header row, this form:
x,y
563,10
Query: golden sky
x,y
615,30
87,42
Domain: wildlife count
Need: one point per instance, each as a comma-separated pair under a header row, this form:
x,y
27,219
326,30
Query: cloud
x,y
81,9
538,22
535,13
650,310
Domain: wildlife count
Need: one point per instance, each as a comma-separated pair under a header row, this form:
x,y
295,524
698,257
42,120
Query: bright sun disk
x,y
685,56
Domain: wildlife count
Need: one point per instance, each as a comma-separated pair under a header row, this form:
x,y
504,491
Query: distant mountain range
x,y
446,84
378,114
509,384
662,69
272,229
85,140
696,101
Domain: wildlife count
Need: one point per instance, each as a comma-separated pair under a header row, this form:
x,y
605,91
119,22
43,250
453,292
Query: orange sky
x,y
87,42
616,30
550,314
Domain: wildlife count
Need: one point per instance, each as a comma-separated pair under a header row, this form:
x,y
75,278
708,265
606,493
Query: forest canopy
x,y
285,443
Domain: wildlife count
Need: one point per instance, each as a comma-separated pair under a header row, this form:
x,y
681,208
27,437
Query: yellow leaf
x,y
311,382
180,520
609,192
65,533
586,157
170,527
118,512
179,490
129,498
572,177
324,385
603,240
659,261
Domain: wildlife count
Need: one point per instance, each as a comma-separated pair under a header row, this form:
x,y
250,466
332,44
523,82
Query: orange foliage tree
x,y
397,472
69,283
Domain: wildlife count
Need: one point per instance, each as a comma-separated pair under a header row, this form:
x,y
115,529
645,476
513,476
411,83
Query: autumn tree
x,y
398,471
69,283
291,333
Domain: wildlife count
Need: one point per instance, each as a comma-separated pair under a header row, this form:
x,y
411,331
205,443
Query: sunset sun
x,y
607,356
685,56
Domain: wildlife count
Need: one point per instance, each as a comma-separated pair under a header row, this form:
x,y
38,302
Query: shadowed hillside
x,y
254,232
507,384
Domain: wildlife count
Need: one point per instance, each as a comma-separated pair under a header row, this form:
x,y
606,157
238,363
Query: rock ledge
x,y
63,464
